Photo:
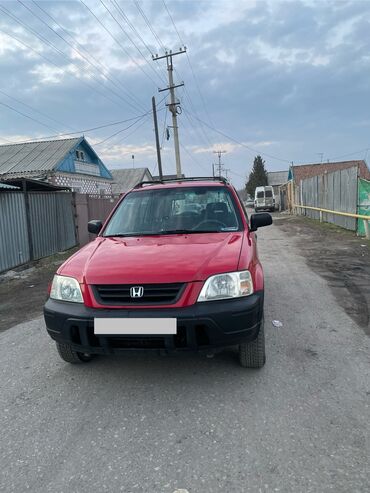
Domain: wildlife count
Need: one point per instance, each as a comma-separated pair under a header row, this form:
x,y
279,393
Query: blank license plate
x,y
135,326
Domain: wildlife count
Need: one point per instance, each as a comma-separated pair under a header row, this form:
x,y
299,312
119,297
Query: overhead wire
x,y
84,130
350,154
119,131
137,33
189,62
119,43
34,109
126,128
114,80
118,95
132,41
133,28
187,95
62,68
242,143
147,22
27,116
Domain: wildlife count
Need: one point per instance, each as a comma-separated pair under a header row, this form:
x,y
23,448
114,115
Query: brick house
x,y
302,171
69,163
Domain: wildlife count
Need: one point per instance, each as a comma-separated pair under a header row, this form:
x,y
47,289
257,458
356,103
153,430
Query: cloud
x,y
286,78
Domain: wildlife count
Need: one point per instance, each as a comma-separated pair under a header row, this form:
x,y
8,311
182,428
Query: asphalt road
x,y
144,423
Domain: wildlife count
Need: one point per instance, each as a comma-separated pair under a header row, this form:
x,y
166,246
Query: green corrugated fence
x,y
363,203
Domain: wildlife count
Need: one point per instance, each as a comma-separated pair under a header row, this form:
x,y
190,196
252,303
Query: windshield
x,y
268,193
175,210
260,195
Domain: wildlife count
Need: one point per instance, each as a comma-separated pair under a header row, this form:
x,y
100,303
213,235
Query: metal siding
x,y
14,249
52,223
336,191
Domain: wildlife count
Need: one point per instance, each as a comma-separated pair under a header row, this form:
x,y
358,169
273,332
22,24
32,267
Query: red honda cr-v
x,y
174,267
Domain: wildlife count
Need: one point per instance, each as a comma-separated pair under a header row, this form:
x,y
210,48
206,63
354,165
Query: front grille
x,y
154,294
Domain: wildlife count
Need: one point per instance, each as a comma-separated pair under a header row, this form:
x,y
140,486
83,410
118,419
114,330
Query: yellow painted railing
x,y
366,219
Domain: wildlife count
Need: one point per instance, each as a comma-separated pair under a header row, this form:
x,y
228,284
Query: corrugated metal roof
x,y
275,178
125,179
4,186
28,157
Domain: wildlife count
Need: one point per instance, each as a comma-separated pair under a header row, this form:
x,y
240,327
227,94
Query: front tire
x,y
252,354
70,355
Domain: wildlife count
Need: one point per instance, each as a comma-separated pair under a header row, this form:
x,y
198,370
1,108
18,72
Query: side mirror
x,y
94,227
259,220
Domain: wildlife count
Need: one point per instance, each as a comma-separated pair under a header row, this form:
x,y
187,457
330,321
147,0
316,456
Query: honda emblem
x,y
137,292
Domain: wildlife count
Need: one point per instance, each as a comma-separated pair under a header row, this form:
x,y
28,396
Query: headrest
x,y
216,208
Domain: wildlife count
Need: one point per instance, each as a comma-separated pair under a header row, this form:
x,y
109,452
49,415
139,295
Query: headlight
x,y
229,285
66,289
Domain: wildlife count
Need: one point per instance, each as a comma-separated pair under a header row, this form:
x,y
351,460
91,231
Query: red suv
x,y
174,267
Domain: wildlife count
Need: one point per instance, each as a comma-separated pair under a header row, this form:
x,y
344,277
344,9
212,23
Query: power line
x,y
190,64
206,140
135,130
350,154
194,159
111,78
142,13
119,43
48,59
147,22
26,116
131,40
83,131
126,128
119,131
75,50
133,28
34,109
241,143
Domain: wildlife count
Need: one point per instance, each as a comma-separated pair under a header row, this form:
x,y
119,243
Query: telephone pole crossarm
x,y
169,88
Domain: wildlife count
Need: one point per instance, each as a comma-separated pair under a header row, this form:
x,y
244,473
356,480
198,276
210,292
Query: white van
x,y
264,199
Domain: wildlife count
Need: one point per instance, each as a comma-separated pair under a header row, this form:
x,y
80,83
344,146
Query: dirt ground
x,y
340,257
337,255
23,290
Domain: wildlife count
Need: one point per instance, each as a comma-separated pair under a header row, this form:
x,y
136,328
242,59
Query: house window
x,y
80,155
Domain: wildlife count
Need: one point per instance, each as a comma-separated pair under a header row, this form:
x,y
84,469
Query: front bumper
x,y
202,326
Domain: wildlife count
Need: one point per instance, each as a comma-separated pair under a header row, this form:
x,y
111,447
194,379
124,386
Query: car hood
x,y
155,259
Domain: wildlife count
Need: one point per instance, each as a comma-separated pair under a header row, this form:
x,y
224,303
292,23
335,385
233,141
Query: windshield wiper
x,y
186,231
123,235
164,232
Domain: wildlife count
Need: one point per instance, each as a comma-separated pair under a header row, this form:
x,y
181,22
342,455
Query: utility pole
x,y
159,160
173,106
219,165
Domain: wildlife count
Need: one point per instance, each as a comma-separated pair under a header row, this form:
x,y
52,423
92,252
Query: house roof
x,y
31,157
125,179
275,178
5,186
303,171
33,185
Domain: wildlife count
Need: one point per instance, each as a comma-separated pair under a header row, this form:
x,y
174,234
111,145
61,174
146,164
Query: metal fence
x,y
90,207
336,191
34,225
14,247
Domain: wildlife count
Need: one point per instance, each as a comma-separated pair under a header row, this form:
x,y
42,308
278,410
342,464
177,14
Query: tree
x,y
257,177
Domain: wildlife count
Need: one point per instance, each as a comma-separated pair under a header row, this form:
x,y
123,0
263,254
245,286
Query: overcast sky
x,y
289,80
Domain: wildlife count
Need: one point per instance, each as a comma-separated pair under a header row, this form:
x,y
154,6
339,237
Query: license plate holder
x,y
135,326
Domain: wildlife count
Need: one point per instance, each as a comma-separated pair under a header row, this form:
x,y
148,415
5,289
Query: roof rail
x,y
192,178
